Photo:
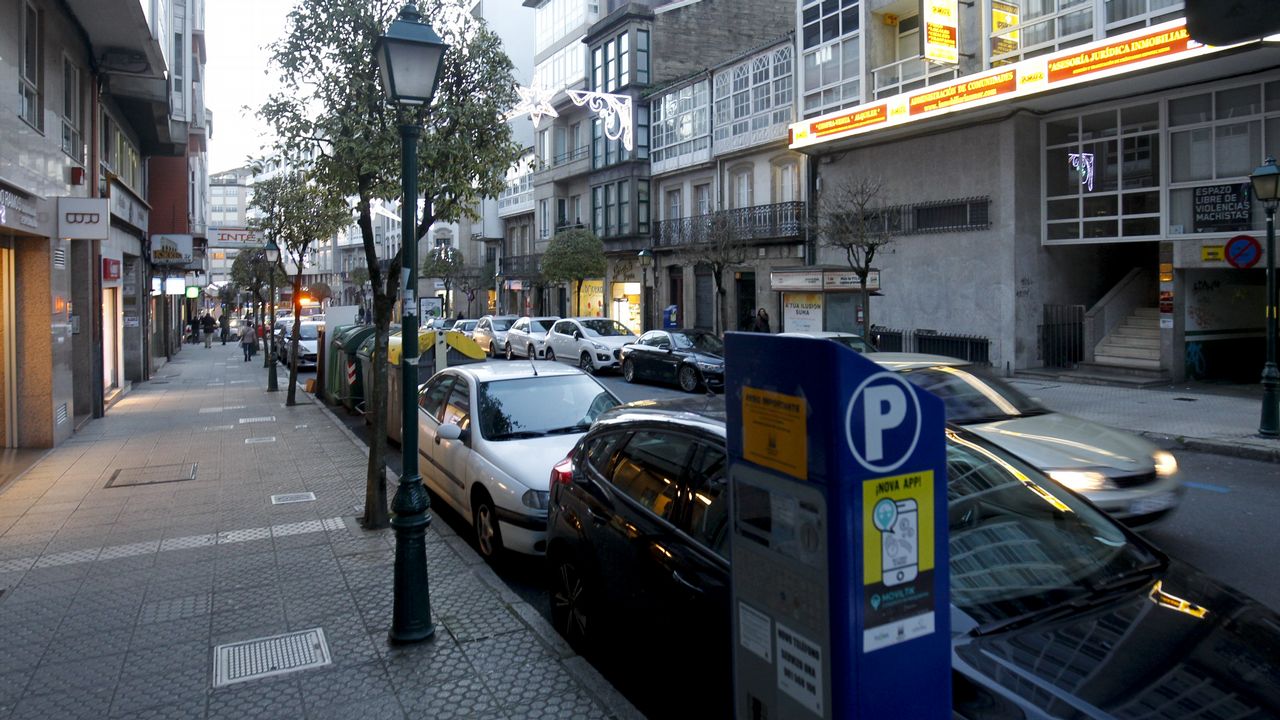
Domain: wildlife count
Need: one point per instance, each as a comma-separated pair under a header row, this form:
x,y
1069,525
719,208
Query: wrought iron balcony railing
x,y
779,221
523,266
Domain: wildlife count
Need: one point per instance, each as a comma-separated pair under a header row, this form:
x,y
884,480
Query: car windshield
x,y
600,327
701,342
539,326
500,324
972,396
855,343
537,406
1020,544
309,332
466,325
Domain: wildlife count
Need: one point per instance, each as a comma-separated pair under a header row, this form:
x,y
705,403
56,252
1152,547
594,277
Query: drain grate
x,y
1185,399
292,498
259,440
264,418
264,657
152,475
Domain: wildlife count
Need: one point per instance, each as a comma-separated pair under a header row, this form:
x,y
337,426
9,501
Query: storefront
x,y
625,305
123,282
815,299
588,301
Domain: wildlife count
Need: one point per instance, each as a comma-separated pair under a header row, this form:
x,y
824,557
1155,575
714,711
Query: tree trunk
x,y
722,322
866,309
577,300
293,341
384,293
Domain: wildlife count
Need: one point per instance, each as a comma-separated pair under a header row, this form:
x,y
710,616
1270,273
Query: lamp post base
x,y
1270,424
411,611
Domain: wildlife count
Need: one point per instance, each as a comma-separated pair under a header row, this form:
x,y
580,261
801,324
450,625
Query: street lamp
x,y
646,259
1266,187
409,56
272,253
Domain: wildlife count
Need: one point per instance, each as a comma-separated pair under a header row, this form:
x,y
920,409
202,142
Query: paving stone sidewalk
x,y
1189,417
118,578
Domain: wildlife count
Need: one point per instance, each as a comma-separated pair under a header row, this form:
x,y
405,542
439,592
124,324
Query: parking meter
x,y
839,548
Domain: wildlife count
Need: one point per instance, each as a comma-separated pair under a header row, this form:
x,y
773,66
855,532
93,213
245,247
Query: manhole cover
x,y
152,475
264,657
292,498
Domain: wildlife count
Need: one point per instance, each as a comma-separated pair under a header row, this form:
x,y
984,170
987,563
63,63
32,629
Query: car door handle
x,y
675,575
597,518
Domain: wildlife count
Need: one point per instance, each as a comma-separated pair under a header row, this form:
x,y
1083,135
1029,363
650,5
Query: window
x,y
611,207
559,71
1102,175
543,213
606,152
72,111
682,122
610,66
708,515
786,178
610,218
179,59
642,207
31,74
673,204
624,207
431,399
624,60
600,452
558,18
830,46
740,180
597,68
1021,30
1125,15
642,57
648,470
702,198
597,210
752,96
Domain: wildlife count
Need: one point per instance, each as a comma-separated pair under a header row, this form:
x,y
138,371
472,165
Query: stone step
x,y
1122,340
1140,322
1146,312
1135,331
1126,362
1150,353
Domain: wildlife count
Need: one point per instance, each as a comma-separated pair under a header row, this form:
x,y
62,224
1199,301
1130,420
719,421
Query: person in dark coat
x,y
208,324
224,325
761,323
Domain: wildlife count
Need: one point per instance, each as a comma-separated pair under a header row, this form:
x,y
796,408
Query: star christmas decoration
x,y
536,102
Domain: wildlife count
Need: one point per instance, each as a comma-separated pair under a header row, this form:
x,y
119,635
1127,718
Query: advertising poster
x,y
802,312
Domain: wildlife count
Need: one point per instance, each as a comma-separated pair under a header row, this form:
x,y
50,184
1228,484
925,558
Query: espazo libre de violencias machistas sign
x,y
1221,208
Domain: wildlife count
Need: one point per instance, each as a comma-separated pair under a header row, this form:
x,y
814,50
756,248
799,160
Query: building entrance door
x,y
745,291
110,340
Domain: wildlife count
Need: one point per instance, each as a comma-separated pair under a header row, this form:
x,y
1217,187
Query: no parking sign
x,y
1243,251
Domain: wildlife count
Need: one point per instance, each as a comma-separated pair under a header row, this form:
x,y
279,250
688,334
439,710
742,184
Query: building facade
x,y
1080,171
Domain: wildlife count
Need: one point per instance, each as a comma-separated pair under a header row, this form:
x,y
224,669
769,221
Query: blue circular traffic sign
x,y
1243,251
882,422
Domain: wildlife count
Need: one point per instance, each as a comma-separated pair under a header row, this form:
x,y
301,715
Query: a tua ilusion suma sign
x,y
1137,50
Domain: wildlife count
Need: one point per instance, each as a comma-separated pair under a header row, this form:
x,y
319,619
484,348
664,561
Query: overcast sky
x,y
236,32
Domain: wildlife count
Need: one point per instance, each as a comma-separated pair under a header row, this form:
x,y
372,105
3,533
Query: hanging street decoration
x,y
614,111
536,102
1083,164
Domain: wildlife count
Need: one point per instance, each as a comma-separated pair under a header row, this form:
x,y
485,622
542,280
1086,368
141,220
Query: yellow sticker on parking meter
x,y
897,558
774,433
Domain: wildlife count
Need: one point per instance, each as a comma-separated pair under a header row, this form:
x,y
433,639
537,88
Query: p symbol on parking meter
x,y
882,422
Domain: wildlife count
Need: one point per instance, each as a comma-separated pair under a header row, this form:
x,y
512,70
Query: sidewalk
x,y
1223,423
119,575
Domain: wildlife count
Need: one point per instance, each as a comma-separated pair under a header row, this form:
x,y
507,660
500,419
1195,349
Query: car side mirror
x,y
577,334
449,431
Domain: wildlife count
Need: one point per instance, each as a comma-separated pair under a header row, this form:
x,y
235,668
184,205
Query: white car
x,y
488,436
308,340
466,327
528,337
592,344
491,333
857,343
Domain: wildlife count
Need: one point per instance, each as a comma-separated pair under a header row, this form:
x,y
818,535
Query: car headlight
x,y
536,499
598,346
710,367
1079,480
1166,463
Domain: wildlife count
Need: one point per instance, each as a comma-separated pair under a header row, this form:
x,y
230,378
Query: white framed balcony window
x,y
753,99
829,33
1121,16
681,123
1026,29
72,111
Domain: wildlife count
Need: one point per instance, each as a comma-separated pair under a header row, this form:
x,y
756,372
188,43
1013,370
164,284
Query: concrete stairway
x,y
1134,343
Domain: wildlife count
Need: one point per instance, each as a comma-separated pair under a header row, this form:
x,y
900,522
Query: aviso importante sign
x,y
1221,208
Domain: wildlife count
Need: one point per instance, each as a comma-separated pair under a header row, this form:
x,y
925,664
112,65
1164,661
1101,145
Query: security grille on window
x,y
832,55
31,73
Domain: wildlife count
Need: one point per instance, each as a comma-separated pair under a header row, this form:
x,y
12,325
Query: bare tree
x,y
851,216
720,244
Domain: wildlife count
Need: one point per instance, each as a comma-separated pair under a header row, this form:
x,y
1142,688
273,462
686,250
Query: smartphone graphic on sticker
x,y
900,546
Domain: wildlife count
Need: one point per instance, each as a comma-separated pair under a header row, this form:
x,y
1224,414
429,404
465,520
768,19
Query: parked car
x,y
854,342
688,358
490,333
528,337
466,327
308,339
1057,610
488,435
594,344
1121,473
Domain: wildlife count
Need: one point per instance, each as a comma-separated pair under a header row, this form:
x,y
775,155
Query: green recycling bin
x,y
363,388
342,371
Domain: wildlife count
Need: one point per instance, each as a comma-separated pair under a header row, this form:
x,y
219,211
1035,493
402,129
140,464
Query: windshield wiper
x,y
517,435
1095,594
580,427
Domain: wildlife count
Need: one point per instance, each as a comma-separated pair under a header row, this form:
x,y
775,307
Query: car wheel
x,y
628,370
551,355
492,352
585,364
485,520
510,355
571,597
688,378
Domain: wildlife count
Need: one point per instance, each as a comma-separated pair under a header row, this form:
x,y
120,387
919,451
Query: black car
x,y
1057,610
688,358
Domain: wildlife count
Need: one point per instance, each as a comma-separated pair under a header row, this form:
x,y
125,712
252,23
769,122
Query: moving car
x,y
688,358
490,333
528,337
593,344
488,435
1058,611
1120,472
308,339
854,342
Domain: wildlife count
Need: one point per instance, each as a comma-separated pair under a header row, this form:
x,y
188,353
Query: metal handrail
x,y
758,222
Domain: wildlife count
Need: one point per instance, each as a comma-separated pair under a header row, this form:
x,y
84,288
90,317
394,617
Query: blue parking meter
x,y
839,547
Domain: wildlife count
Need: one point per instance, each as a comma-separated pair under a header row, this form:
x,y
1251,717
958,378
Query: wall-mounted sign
x,y
848,280
1243,251
1221,208
128,208
192,292
941,20
795,280
1212,253
1137,50
234,237
171,249
175,286
84,218
110,269
17,211
1004,15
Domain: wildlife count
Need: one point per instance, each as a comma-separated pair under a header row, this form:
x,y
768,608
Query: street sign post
x,y
839,546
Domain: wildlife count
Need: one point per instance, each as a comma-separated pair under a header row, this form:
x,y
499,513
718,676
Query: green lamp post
x,y
272,254
1266,188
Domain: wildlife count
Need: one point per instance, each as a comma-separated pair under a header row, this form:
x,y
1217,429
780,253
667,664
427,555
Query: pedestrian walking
x,y
224,322
208,324
193,330
248,340
761,323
